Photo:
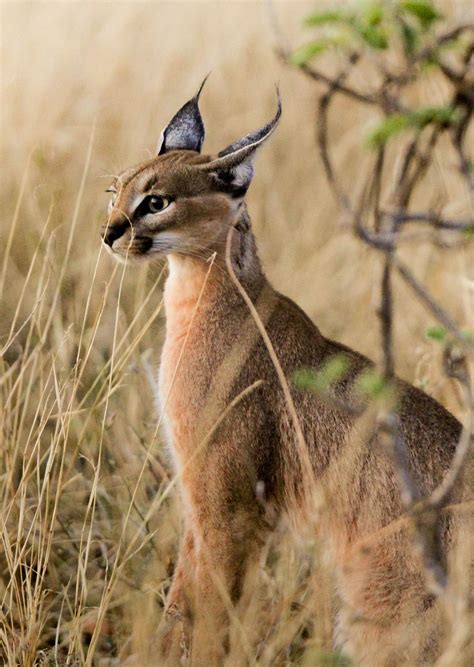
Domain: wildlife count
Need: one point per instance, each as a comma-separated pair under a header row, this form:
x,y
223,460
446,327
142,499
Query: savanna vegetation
x,y
89,511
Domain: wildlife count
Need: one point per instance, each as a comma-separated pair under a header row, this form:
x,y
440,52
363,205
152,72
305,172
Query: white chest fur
x,y
183,297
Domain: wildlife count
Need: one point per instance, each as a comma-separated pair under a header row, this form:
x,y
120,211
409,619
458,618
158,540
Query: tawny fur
x,y
227,457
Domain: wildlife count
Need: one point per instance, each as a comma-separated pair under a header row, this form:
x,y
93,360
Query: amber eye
x,y
155,203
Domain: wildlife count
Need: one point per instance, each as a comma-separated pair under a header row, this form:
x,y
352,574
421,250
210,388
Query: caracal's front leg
x,y
207,584
175,629
227,541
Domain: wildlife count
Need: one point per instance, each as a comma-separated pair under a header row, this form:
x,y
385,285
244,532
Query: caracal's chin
x,y
133,256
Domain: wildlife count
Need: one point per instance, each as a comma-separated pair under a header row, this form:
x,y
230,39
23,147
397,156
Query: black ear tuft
x,y
185,131
254,139
233,167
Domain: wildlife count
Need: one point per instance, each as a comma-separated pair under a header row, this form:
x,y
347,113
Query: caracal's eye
x,y
155,203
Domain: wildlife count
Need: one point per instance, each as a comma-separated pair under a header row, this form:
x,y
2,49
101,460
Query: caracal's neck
x,y
188,287
194,285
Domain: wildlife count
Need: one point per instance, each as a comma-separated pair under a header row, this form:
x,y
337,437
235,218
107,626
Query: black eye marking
x,y
153,204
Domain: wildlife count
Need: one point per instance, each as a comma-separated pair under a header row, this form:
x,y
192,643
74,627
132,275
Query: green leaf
x,y
334,368
388,128
441,115
469,231
325,659
410,38
373,36
374,14
424,11
305,378
305,53
436,333
418,119
331,16
320,380
373,384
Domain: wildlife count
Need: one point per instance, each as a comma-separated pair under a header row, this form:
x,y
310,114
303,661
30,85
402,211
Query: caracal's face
x,y
167,205
181,201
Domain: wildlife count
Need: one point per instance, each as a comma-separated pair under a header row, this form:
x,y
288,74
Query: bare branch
x,y
337,85
455,365
428,301
388,223
403,217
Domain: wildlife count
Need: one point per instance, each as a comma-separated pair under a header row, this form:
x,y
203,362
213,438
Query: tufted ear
x,y
233,167
185,131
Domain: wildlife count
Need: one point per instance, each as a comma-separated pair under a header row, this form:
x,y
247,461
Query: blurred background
x,y
118,71
86,90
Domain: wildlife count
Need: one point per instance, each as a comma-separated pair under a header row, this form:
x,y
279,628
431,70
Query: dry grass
x,y
89,517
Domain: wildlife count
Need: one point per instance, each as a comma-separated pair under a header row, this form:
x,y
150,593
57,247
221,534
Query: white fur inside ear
x,y
160,142
242,173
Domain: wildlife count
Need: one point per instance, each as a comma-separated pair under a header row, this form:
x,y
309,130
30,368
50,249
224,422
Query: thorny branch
x,y
389,218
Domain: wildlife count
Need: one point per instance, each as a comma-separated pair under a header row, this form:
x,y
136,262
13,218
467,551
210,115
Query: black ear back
x,y
185,131
233,167
254,139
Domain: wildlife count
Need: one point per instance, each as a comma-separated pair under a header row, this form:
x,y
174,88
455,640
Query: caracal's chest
x,y
184,373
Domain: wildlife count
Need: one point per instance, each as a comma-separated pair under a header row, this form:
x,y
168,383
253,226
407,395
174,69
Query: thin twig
x,y
425,297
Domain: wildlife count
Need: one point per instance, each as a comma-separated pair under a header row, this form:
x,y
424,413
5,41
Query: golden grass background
x,y
89,524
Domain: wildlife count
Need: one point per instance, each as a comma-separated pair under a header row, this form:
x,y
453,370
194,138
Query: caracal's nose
x,y
112,232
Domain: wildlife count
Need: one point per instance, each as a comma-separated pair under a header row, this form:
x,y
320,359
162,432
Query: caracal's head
x,y
181,201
